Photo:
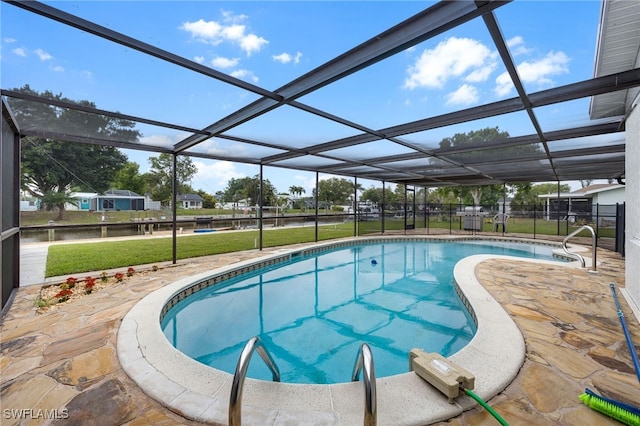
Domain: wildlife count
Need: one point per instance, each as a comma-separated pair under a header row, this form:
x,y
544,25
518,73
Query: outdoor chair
x,y
500,219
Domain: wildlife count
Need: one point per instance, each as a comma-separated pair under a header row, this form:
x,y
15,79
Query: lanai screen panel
x,y
334,111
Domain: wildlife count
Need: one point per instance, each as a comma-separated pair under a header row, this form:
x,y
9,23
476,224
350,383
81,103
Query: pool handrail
x,y
593,246
364,361
235,399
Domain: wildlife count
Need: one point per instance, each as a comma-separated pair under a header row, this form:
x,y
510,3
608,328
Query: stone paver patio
x,y
64,360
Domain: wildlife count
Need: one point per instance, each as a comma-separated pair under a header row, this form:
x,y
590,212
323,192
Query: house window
x,y
108,204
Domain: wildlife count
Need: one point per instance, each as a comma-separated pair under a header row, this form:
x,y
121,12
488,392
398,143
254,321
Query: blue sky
x,y
271,43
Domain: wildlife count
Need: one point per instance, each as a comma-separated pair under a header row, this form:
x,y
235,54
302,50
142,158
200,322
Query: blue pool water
x,y
313,312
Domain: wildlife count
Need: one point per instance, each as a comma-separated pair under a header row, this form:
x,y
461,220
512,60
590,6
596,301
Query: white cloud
x,y
204,31
451,58
216,174
465,95
537,73
20,51
503,84
285,58
230,30
44,56
516,46
9,40
220,62
199,59
58,68
161,140
308,182
245,75
481,74
234,32
252,43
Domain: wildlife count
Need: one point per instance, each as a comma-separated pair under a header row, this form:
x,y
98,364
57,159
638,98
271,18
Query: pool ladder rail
x,y
364,362
593,246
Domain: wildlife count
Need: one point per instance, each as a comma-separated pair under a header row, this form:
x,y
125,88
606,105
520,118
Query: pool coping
x,y
201,393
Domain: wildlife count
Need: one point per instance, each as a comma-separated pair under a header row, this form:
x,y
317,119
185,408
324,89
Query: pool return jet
x,y
448,378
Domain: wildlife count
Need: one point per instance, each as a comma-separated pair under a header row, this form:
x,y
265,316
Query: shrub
x,y
63,295
71,282
89,283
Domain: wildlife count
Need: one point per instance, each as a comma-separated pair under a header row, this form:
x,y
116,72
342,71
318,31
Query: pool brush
x,y
624,413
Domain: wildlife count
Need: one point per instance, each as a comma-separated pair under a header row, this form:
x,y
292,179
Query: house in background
x,y
190,201
29,204
594,201
117,199
83,201
149,204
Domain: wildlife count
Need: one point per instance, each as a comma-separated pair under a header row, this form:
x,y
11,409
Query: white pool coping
x,y
201,393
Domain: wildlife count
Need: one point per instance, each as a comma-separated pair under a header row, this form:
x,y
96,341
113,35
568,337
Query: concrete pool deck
x,y
65,357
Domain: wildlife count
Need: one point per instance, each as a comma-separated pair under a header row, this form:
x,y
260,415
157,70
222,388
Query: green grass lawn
x,y
77,258
67,259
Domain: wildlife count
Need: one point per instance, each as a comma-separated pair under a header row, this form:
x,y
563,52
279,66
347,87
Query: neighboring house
x,y
117,199
586,203
83,200
29,205
190,201
240,204
149,204
286,202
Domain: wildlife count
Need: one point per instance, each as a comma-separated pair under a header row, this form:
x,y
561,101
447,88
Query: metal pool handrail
x,y
235,399
364,360
593,246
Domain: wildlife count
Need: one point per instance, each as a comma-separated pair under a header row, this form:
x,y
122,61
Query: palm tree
x,y
53,200
296,190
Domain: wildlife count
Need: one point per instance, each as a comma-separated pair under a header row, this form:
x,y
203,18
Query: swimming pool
x,y
314,310
198,392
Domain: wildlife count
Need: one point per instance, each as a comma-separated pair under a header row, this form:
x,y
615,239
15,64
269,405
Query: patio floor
x,y
64,358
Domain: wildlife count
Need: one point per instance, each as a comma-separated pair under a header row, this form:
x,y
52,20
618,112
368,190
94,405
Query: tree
x,y
208,200
335,190
53,200
477,138
249,188
53,167
49,165
372,194
159,179
445,195
525,198
296,191
129,177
